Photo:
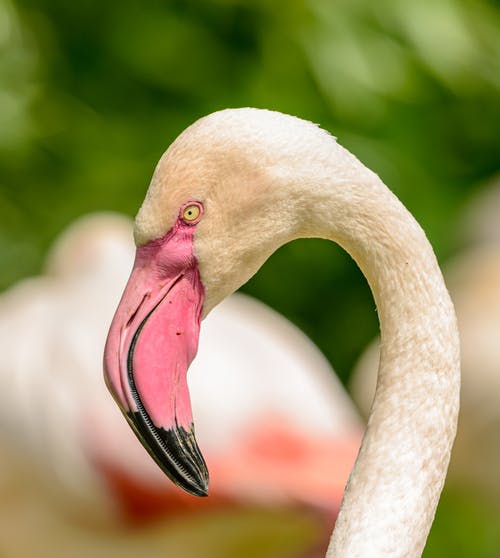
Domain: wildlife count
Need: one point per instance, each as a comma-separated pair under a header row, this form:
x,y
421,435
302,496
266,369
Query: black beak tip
x,y
191,473
176,453
200,489
193,477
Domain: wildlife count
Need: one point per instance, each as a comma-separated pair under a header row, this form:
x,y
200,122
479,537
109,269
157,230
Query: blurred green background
x,y
91,94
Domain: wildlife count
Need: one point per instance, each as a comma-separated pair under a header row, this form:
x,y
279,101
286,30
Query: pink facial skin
x,y
155,329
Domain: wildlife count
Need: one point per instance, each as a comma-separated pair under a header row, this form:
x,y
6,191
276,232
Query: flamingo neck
x,y
394,487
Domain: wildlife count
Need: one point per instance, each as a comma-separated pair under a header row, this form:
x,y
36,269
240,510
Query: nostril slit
x,y
132,317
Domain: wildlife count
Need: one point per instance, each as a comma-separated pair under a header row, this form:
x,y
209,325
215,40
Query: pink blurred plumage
x,y
60,422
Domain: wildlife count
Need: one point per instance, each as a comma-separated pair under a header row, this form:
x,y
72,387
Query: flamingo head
x,y
220,202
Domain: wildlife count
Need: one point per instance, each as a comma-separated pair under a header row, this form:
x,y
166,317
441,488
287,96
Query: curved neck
x,y
394,487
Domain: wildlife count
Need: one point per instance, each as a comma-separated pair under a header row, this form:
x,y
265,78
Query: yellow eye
x,y
191,213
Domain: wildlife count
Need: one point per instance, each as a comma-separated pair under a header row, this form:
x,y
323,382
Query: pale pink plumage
x,y
60,420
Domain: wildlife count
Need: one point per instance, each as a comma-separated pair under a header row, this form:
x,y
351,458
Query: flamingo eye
x,y
192,212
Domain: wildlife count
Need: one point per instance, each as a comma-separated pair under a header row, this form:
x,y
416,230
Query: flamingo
x,y
232,188
72,474
473,277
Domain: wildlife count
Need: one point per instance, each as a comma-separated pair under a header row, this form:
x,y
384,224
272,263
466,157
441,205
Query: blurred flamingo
x,y
78,466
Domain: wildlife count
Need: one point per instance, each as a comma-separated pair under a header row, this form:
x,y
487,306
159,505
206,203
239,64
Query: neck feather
x,y
394,488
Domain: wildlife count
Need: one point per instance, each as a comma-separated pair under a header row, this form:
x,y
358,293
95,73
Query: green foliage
x,y
92,94
466,526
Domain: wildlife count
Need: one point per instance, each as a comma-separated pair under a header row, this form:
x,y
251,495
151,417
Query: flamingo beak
x,y
151,342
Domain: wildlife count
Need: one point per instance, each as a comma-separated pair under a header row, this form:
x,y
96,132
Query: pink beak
x,y
151,343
